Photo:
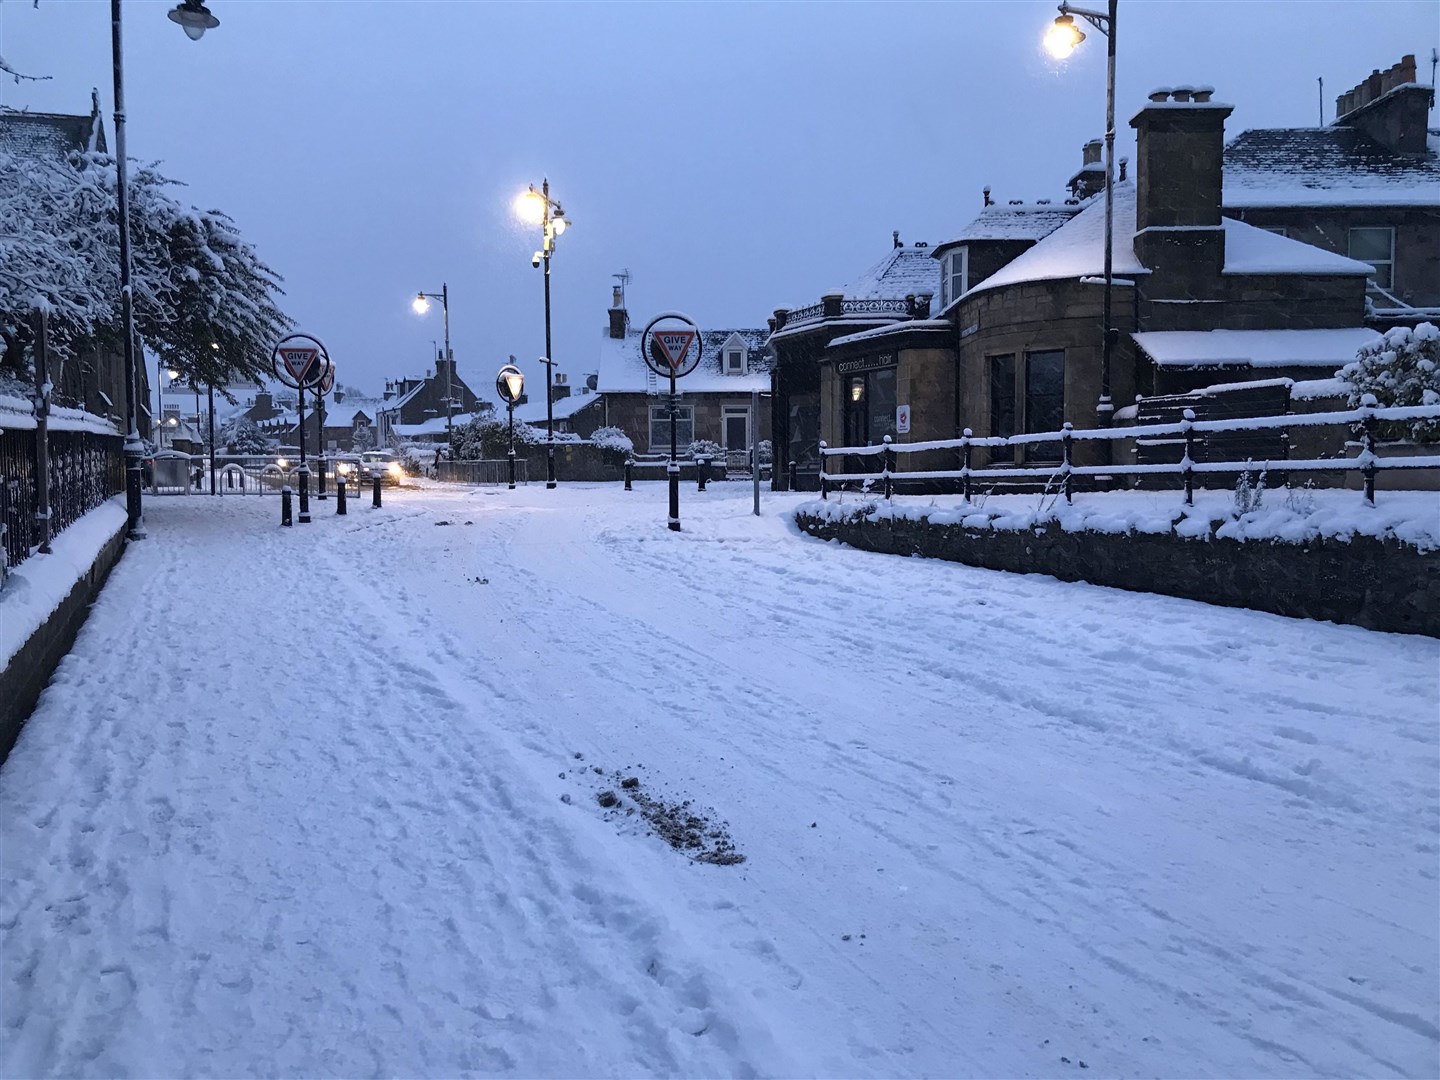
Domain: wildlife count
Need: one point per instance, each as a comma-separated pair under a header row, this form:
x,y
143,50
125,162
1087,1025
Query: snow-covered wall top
x,y
1332,166
1328,349
18,414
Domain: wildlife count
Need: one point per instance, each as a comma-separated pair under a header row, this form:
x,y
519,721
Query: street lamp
x,y
510,384
537,208
420,305
194,18
1061,40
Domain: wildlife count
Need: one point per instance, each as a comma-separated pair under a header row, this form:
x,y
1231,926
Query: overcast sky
x,y
734,157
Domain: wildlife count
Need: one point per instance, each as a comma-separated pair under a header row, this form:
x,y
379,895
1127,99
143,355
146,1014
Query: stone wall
x,y
29,670
1381,585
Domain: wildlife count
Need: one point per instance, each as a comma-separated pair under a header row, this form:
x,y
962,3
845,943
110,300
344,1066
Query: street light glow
x,y
530,207
420,304
1063,36
560,225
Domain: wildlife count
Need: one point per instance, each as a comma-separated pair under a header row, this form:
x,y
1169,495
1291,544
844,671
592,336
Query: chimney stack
x,y
1390,107
619,318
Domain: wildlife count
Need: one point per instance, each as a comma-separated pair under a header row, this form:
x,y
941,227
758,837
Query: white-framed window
x,y
660,428
955,275
733,355
1278,230
1375,244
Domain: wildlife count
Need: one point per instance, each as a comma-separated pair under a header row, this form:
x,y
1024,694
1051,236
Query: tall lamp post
x,y
421,304
194,18
510,384
1061,40
538,208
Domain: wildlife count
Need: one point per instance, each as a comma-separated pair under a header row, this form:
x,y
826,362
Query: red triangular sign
x,y
673,345
298,360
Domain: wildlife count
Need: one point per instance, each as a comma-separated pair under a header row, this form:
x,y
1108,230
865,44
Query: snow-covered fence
x,y
1061,477
86,468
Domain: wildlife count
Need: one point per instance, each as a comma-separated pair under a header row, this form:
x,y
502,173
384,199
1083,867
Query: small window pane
x,y
1370,245
1002,403
1044,400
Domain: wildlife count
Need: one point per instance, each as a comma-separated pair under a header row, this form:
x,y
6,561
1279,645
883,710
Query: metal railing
x,y
86,468
1062,475
483,472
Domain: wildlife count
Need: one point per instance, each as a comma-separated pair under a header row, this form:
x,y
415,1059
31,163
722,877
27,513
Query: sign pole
x,y
672,470
304,469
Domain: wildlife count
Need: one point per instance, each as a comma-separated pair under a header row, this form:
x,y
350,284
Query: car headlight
x,y
395,469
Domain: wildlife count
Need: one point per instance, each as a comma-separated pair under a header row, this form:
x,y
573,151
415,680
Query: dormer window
x,y
734,355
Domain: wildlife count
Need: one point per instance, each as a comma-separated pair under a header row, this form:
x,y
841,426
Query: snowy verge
x,y
1296,517
38,586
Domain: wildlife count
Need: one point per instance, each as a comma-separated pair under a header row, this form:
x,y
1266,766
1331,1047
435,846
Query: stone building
x,y
716,398
853,391
412,402
1366,185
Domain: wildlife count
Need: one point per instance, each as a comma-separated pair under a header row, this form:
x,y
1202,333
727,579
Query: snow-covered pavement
x,y
321,801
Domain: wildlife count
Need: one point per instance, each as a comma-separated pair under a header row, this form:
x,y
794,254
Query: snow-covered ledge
x,y
43,604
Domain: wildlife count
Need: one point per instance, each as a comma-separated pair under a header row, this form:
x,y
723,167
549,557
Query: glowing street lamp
x,y
1061,40
537,208
420,305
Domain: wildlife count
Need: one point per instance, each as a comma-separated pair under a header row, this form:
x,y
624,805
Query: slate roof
x,y
904,271
623,371
1016,221
533,411
29,134
1330,166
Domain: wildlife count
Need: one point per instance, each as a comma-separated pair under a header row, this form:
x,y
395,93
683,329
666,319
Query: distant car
x,y
381,463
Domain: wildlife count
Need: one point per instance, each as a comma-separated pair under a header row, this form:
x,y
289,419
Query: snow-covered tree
x,y
204,301
243,436
1401,368
363,439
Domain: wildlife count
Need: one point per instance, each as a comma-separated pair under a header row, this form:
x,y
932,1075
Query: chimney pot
x,y
1160,93
1124,165
1203,94
1181,93
895,237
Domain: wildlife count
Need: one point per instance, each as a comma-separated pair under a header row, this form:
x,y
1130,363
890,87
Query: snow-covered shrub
x,y
243,436
612,438
1249,492
766,450
705,448
1402,368
1301,501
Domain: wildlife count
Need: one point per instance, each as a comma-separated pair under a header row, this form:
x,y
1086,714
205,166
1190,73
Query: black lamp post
x,y
538,208
510,384
1064,35
194,18
421,304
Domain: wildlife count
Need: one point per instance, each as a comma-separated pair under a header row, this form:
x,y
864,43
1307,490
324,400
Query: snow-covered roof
x,y
1329,349
909,326
562,409
344,414
1249,250
1077,248
1016,221
1330,166
907,270
35,135
623,371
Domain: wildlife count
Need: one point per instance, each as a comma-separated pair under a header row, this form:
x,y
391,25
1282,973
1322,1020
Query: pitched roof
x,y
623,370
1251,250
1016,221
907,270
29,134
1328,349
1330,166
562,409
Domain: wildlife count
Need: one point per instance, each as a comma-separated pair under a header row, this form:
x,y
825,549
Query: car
x,y
382,463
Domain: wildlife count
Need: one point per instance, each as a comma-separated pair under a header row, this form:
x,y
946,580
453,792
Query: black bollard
x,y
340,495
794,474
285,518
629,464
702,469
304,473
375,494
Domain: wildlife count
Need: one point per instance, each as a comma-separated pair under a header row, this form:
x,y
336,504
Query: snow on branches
x,y
1400,368
204,301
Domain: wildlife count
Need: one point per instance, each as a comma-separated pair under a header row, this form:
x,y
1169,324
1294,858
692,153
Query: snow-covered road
x,y
321,802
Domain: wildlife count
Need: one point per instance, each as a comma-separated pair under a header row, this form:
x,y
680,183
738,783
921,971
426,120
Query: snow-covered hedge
x,y
612,438
1401,368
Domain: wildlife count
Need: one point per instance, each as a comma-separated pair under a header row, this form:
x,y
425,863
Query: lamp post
x,y
194,18
1061,40
510,384
421,304
538,208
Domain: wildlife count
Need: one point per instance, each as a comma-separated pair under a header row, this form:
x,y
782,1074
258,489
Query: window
x,y
660,428
1376,245
735,361
955,278
869,406
1278,230
1002,404
1044,401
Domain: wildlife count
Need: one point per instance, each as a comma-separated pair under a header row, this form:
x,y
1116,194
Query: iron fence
x,y
486,471
86,468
